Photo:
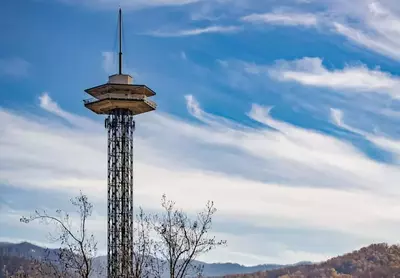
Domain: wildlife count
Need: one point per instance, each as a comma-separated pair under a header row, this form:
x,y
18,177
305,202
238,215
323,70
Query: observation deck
x,y
120,93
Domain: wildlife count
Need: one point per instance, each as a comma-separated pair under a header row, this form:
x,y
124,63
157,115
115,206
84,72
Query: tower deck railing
x,y
121,97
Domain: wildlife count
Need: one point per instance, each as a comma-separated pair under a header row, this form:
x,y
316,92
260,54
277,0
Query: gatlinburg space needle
x,y
120,100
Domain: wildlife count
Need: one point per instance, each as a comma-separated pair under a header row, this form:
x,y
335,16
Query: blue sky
x,y
285,113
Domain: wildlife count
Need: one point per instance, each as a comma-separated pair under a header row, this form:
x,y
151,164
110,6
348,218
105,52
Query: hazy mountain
x,y
220,269
211,269
26,250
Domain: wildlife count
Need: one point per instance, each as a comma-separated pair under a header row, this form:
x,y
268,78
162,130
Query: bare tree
x,y
182,240
144,260
78,249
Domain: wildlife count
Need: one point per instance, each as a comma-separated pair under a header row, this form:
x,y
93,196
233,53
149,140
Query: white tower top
x,y
120,79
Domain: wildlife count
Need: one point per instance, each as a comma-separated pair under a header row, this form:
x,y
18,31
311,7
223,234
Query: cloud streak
x,y
197,31
281,18
382,141
129,4
370,24
358,78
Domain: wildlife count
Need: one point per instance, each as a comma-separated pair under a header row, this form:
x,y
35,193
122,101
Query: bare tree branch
x,y
78,249
182,240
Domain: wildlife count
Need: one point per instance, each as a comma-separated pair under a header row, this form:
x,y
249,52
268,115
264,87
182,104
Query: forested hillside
x,y
377,261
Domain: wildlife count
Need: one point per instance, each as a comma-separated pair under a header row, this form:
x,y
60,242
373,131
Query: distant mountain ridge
x,y
375,261
26,250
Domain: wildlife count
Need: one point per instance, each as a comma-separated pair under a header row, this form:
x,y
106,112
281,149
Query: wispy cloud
x,y
377,43
371,24
49,105
129,4
357,78
16,67
196,31
376,26
382,141
281,18
208,11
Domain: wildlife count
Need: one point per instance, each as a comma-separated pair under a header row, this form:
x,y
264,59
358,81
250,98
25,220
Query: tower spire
x,y
120,42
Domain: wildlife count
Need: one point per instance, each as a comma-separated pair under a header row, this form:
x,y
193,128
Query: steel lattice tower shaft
x,y
120,100
120,127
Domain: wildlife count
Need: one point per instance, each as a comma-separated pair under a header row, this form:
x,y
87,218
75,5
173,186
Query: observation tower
x,y
120,100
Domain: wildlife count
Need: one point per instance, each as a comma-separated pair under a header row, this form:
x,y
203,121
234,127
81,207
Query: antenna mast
x,y
120,41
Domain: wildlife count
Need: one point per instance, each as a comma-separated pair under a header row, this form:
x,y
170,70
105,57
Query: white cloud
x,y
381,141
369,23
315,181
194,109
16,67
372,24
129,4
197,31
281,18
357,78
207,12
379,44
49,105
